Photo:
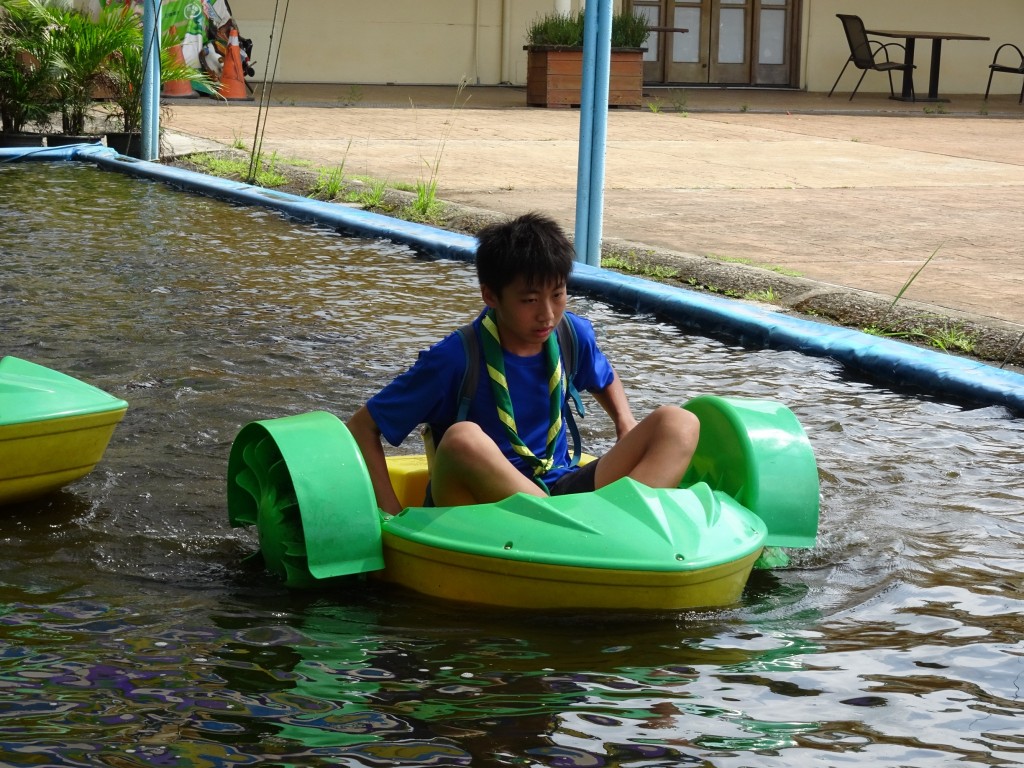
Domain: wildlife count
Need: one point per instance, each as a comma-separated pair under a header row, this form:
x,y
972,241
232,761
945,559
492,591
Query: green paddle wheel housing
x,y
302,482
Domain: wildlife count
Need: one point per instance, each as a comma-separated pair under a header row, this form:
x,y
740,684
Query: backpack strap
x,y
569,344
470,377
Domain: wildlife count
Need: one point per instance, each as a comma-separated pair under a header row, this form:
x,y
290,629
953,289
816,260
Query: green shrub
x,y
557,29
629,30
29,70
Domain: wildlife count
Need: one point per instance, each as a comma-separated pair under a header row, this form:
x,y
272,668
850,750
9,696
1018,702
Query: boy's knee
x,y
677,423
675,417
462,438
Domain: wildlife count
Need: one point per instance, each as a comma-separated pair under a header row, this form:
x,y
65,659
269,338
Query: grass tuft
x,y
265,172
767,296
426,206
947,336
332,180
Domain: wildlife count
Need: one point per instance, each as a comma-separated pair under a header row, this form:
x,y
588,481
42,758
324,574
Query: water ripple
x,y
132,635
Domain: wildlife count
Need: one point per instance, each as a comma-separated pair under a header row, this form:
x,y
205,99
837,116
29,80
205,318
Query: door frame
x,y
705,71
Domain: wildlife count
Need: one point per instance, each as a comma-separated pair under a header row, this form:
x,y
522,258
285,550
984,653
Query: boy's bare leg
x,y
656,452
470,469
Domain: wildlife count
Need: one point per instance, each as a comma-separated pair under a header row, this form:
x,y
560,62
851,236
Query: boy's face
x,y
526,314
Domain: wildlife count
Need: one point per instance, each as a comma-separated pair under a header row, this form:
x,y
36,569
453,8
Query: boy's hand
x,y
367,436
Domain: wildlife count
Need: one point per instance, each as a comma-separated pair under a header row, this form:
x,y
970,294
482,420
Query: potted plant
x,y
28,73
85,49
554,74
124,83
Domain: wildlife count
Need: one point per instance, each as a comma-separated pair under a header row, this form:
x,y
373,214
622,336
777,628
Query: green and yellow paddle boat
x,y
752,488
54,429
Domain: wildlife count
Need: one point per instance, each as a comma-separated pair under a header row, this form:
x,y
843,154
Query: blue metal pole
x,y
602,76
583,164
151,80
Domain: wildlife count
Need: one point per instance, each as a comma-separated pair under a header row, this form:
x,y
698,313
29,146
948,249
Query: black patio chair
x,y
864,55
995,66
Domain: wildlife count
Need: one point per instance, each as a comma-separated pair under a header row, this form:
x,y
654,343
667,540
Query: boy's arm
x,y
367,436
614,402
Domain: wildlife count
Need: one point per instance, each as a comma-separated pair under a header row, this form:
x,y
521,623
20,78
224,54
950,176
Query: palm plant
x,y
28,69
126,71
85,49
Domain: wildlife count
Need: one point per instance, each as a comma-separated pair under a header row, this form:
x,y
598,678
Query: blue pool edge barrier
x,y
883,359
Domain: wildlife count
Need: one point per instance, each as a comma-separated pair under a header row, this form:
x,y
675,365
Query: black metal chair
x,y
995,66
864,55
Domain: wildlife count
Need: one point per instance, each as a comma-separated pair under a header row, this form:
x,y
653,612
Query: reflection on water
x,y
132,634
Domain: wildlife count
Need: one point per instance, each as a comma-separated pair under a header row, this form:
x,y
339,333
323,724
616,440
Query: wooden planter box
x,y
554,76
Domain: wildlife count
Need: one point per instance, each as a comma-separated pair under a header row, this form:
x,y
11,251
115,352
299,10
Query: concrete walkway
x,y
847,193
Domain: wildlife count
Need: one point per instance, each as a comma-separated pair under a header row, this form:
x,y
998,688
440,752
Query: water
x,y
131,633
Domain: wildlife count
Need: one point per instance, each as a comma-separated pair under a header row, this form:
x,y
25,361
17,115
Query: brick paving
x,y
854,194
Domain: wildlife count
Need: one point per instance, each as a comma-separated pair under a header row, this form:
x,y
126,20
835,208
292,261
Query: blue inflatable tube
x,y
884,360
68,152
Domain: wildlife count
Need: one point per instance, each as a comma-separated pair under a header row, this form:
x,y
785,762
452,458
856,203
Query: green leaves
x,y
629,30
54,57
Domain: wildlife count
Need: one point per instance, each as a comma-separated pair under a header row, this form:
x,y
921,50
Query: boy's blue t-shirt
x,y
428,394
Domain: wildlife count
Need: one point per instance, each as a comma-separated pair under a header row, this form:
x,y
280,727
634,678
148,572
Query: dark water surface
x,y
132,635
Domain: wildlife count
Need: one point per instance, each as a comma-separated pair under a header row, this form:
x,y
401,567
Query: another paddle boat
x,y
752,485
54,429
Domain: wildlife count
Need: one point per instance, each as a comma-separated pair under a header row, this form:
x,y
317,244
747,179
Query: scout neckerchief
x,y
495,360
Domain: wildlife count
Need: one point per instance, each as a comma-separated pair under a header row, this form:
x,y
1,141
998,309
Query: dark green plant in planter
x,y
28,69
629,30
85,49
556,28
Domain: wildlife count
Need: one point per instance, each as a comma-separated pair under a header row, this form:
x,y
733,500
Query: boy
x,y
522,267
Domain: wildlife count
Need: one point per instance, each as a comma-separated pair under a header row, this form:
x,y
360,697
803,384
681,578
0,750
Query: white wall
x,y
401,41
444,41
964,66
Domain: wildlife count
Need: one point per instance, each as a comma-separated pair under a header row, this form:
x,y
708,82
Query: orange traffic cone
x,y
177,89
232,81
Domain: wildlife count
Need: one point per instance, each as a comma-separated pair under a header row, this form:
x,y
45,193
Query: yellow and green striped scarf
x,y
495,360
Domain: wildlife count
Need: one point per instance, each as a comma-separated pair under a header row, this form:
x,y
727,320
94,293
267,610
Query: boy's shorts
x,y
580,480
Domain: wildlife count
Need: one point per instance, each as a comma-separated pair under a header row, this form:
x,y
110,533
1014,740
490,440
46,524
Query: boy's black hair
x,y
532,245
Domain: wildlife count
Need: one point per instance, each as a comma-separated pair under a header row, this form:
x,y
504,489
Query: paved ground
x,y
847,193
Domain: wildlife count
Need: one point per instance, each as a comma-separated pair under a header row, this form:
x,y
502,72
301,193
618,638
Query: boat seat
x,y
409,476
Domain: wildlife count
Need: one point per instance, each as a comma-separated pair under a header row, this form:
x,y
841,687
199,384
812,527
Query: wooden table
x,y
910,38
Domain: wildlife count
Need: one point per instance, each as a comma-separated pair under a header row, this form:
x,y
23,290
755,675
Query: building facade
x,y
783,43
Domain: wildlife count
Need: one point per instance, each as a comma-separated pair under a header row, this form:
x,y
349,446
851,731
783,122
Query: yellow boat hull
x,y
511,584
452,575
40,457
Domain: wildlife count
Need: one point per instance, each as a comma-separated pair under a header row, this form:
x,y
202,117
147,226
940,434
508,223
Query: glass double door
x,y
727,42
